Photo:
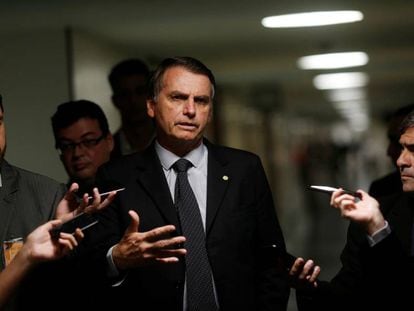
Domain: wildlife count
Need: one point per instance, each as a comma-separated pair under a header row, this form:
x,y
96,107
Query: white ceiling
x,y
228,37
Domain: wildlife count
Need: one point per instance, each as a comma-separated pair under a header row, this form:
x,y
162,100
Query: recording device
x,y
106,193
102,195
82,221
327,189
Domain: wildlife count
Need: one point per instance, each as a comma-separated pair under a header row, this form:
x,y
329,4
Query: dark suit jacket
x,y
241,222
386,185
116,152
372,278
27,200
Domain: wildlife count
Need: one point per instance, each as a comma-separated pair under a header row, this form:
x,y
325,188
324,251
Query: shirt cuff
x,y
112,270
379,235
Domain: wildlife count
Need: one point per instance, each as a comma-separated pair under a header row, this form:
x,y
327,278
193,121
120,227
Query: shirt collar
x,y
168,158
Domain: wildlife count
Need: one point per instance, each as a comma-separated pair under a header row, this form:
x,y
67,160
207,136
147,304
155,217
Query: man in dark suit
x,y
27,199
377,261
234,199
391,183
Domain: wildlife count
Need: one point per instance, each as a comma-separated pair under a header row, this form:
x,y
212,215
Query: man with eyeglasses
x,y
83,139
28,200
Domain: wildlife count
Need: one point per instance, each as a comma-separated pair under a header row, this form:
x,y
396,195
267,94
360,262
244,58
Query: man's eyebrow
x,y
82,136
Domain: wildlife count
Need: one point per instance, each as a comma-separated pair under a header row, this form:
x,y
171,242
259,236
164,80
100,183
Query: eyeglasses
x,y
86,143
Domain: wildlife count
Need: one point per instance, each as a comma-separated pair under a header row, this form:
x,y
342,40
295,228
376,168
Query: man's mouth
x,y
80,166
187,125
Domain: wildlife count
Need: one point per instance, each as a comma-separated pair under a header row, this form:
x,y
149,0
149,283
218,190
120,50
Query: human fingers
x,y
108,200
79,235
341,200
314,275
70,195
52,224
339,195
169,247
297,266
307,269
168,255
67,241
134,224
160,233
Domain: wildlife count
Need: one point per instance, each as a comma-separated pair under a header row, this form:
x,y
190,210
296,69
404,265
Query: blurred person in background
x,y
129,83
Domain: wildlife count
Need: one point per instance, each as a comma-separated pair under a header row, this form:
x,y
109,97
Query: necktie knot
x,y
182,165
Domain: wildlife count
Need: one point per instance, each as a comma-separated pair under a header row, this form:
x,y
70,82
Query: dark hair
x,y
401,112
70,112
191,64
1,103
408,121
127,67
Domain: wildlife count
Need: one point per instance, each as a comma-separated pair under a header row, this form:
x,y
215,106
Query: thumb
x,y
134,224
74,187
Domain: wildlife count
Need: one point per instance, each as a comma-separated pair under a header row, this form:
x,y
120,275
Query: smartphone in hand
x,y
330,190
82,221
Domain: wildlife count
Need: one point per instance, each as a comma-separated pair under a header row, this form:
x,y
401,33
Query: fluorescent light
x,y
351,107
338,95
340,80
309,19
355,112
333,60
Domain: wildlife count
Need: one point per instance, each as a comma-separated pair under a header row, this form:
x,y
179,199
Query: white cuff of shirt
x,y
379,235
112,270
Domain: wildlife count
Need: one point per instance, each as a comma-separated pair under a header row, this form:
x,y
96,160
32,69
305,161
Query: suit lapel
x,y
401,220
152,178
7,197
218,179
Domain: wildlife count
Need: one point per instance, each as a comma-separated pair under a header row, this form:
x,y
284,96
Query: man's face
x,y
182,109
393,134
2,136
130,98
405,161
83,152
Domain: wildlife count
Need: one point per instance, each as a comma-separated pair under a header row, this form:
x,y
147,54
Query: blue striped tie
x,y
199,282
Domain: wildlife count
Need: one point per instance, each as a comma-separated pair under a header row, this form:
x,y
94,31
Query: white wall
x,y
92,62
33,80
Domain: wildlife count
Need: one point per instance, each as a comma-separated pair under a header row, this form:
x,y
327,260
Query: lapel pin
x,y
225,177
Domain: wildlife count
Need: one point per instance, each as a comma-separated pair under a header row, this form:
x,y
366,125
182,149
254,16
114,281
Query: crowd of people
x,y
196,226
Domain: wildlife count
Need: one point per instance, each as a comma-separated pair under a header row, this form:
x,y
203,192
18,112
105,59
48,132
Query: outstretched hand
x,y
40,246
365,211
303,274
137,249
70,205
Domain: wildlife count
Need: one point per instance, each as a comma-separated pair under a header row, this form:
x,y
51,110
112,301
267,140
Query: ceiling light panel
x,y
333,60
311,19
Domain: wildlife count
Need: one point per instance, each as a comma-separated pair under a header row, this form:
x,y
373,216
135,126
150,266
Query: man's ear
x,y
151,107
110,139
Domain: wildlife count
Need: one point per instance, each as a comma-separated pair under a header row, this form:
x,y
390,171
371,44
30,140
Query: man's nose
x,y
403,159
190,107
